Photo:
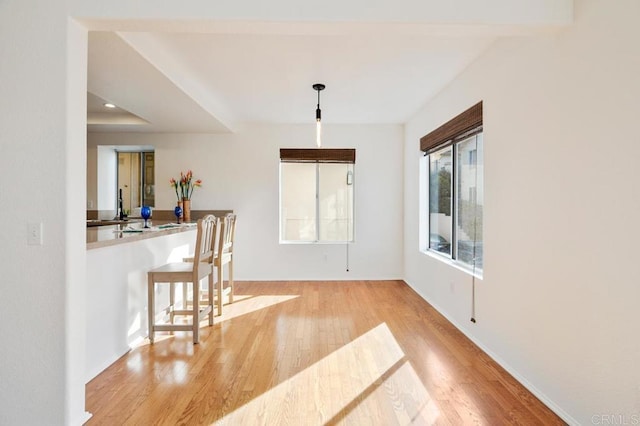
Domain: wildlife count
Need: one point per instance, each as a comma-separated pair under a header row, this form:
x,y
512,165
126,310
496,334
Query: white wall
x,y
75,161
559,300
43,159
240,172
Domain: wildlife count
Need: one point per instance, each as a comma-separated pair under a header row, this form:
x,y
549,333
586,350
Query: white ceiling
x,y
228,74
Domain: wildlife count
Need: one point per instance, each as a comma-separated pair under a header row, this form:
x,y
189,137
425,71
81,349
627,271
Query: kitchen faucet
x,y
120,204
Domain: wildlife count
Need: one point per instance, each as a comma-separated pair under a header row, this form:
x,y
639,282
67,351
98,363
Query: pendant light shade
x,y
318,87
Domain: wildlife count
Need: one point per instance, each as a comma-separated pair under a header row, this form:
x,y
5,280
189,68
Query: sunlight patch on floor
x,y
252,304
370,371
407,396
230,311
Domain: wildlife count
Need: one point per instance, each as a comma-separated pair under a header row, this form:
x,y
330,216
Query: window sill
x,y
463,267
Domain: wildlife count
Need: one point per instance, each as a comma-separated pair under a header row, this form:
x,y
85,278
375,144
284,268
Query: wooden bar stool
x,y
207,240
223,256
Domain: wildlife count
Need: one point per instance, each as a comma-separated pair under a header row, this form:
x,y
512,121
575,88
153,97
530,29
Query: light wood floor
x,y
315,353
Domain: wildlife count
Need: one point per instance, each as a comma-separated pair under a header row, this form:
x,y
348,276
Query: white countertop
x,y
109,235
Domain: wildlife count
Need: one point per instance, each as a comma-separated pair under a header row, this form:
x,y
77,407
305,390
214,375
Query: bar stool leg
x,y
172,301
185,295
220,282
210,298
151,305
231,280
196,313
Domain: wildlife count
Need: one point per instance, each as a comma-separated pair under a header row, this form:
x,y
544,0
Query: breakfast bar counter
x,y
110,232
110,235
118,259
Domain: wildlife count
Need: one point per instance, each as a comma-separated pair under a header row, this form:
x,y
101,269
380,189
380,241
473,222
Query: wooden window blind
x,y
318,155
457,126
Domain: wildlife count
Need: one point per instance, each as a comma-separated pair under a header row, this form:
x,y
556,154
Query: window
x,y
440,190
455,187
468,205
316,195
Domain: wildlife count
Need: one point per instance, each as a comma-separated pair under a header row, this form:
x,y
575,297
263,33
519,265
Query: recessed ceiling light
x,y
108,105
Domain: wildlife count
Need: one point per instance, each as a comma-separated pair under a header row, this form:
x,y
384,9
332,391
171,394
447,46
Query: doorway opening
x,y
136,182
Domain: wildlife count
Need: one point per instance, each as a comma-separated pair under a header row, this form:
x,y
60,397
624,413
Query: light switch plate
x,y
34,233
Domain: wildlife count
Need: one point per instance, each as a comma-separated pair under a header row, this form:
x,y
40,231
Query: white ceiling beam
x,y
126,78
147,46
100,15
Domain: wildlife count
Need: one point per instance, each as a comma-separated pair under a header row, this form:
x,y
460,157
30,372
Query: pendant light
x,y
318,87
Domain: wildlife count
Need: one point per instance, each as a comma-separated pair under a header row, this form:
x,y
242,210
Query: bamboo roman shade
x,y
318,155
457,126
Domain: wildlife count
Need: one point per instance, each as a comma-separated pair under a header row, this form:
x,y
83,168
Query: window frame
x,y
453,254
317,157
451,134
